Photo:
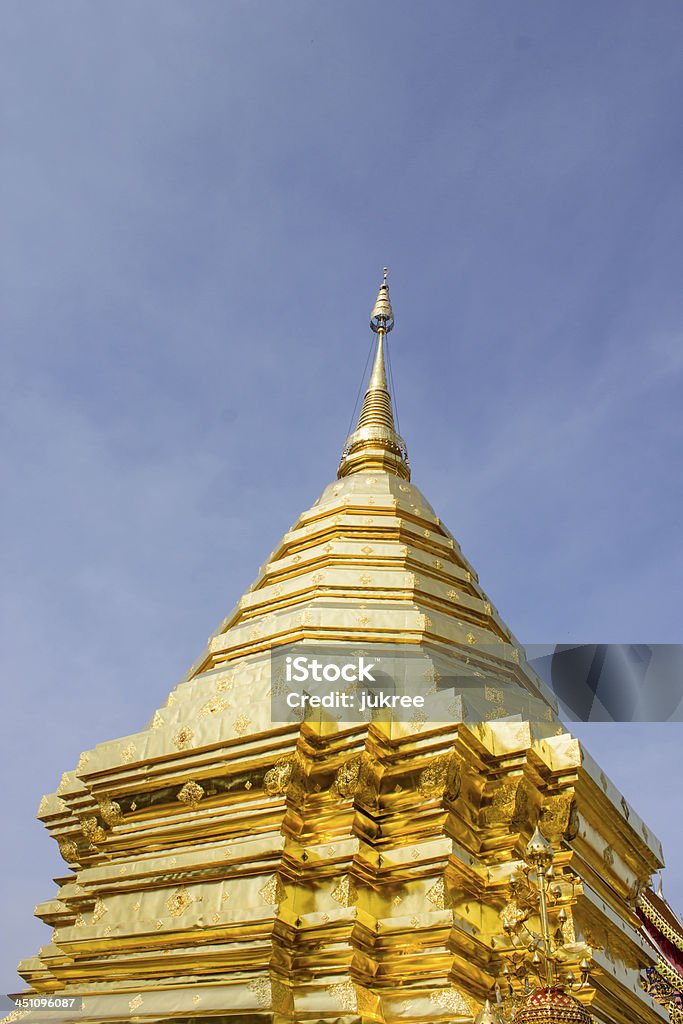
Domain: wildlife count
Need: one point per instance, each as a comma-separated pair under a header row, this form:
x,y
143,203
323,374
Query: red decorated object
x,y
552,1006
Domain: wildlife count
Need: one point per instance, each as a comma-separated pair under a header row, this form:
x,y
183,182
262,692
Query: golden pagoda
x,y
223,866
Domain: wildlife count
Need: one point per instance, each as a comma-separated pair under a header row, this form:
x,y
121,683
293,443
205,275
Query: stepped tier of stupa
x,y
223,866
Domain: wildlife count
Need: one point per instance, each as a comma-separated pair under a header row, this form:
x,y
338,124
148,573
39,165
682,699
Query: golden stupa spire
x,y
375,444
279,827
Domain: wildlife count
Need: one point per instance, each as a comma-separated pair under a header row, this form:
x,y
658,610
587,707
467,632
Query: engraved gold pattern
x,y
273,892
345,893
68,850
242,724
673,935
345,995
438,895
277,779
99,910
92,830
433,778
261,989
110,811
453,1001
191,793
178,902
183,738
213,706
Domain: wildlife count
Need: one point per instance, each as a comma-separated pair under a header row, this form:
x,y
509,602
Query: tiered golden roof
x,y
223,865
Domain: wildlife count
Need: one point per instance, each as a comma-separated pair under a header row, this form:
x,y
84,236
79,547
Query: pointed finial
x,y
539,852
382,316
487,1015
375,445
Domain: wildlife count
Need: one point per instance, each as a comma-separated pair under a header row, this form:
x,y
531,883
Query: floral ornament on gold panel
x,y
242,724
281,997
345,995
261,989
277,779
191,793
178,902
439,895
434,777
110,811
354,775
225,683
273,892
183,738
453,1001
92,830
213,706
345,892
99,910
68,849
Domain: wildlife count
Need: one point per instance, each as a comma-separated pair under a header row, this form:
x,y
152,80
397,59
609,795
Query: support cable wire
x,y
393,387
360,387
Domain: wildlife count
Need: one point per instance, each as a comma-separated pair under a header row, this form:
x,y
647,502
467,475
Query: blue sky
x,y
198,199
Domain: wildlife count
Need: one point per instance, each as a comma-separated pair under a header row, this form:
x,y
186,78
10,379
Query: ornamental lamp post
x,y
536,887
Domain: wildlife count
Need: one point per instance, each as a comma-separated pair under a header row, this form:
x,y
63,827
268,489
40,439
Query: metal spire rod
x,y
375,444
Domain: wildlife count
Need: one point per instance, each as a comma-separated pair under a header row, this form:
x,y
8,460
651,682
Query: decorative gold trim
x,y
661,924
